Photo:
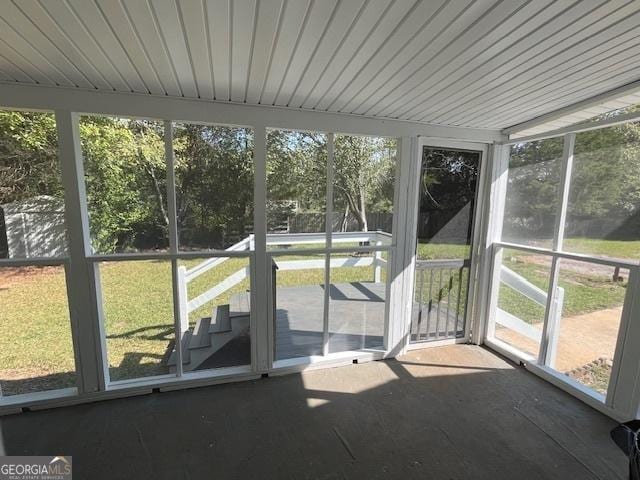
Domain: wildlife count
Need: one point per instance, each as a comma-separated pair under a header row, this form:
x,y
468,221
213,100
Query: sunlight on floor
x,y
361,378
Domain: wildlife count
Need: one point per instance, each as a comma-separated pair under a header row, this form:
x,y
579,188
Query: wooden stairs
x,y
208,336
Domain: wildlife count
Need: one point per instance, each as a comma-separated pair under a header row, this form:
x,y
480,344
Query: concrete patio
x,y
448,412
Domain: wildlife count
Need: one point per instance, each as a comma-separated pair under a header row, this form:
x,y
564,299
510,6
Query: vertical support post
x,y
623,394
489,280
393,287
554,318
405,225
553,312
329,243
262,329
377,264
83,287
180,316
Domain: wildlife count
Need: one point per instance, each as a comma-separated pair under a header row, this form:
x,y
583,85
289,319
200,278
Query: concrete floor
x,y
457,412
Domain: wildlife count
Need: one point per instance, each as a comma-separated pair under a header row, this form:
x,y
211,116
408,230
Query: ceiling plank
x,y
293,19
604,60
267,31
489,37
576,24
150,38
374,11
125,32
95,22
194,18
45,48
172,34
243,34
344,18
81,37
60,39
400,12
219,17
415,32
312,34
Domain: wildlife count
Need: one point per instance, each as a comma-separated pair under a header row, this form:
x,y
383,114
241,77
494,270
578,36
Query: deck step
x,y
186,355
200,337
220,320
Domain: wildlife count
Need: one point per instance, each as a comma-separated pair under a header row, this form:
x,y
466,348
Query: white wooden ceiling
x,y
483,63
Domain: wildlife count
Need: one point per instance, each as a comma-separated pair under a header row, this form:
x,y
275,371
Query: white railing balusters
x,y
187,275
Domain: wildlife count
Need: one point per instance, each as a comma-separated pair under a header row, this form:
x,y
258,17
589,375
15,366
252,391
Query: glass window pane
x,y
36,350
603,216
298,292
532,192
296,186
447,197
218,307
364,176
126,179
31,194
214,186
137,303
357,299
522,298
590,299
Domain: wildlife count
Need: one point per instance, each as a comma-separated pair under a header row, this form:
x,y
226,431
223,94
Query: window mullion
x,y
553,310
328,233
83,281
180,318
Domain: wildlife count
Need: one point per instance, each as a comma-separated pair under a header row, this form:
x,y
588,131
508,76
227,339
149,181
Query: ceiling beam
x,y
576,107
205,111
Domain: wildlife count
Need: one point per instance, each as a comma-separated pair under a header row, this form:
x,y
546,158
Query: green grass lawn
x,y
629,249
585,291
35,339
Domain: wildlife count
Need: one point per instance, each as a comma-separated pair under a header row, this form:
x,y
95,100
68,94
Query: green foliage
x,y
214,184
28,156
604,200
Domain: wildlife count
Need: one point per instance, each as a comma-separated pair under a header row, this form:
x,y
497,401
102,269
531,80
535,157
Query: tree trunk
x,y
345,220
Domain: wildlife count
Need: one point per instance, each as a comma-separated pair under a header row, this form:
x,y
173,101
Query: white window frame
x,y
473,322
623,395
83,279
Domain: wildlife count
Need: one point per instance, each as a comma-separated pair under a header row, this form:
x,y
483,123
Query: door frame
x,y
473,321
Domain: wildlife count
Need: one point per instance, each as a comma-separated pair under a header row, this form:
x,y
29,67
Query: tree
x,y
28,156
364,173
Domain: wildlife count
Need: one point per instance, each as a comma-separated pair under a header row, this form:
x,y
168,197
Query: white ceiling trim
x,y
583,110
37,97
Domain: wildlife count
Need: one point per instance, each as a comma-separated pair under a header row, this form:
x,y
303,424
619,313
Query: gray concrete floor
x,y
457,412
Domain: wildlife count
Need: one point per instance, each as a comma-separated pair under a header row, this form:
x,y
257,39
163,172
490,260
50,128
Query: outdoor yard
x,y
35,342
36,350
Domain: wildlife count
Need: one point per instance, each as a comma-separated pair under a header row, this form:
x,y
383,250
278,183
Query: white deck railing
x,y
185,276
537,295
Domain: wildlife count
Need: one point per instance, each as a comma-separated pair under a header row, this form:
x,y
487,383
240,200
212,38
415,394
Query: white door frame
x,y
473,321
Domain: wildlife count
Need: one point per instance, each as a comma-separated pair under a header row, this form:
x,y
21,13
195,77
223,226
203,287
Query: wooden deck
x,y
356,318
356,321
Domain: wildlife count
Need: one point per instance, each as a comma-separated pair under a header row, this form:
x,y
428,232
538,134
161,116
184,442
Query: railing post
x,y
377,262
554,326
183,298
